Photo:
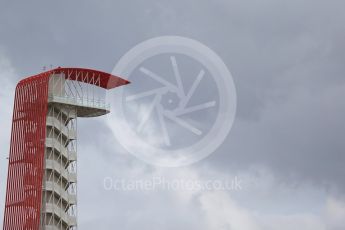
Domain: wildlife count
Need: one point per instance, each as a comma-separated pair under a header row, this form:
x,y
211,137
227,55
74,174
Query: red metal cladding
x,y
25,170
107,81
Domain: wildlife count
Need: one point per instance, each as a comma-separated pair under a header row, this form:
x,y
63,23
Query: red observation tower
x,y
42,173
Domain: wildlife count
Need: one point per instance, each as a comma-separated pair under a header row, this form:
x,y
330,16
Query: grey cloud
x,y
286,58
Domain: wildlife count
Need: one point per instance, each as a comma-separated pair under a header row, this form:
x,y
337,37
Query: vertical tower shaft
x,y
42,174
59,200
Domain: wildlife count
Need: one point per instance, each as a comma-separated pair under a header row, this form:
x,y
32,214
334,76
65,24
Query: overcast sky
x,y
287,142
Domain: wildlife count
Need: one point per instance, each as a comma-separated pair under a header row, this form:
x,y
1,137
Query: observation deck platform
x,y
85,107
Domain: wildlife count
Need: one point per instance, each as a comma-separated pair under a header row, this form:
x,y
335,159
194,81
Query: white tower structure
x,y
67,100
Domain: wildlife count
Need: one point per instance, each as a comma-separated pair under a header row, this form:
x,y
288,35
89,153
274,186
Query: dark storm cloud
x,y
290,82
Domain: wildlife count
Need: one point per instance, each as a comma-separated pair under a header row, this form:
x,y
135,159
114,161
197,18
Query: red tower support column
x,y
25,171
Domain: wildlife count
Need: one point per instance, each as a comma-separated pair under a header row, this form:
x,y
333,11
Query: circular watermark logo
x,y
180,105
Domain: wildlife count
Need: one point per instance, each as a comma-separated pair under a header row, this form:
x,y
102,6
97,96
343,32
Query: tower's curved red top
x,y
107,80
